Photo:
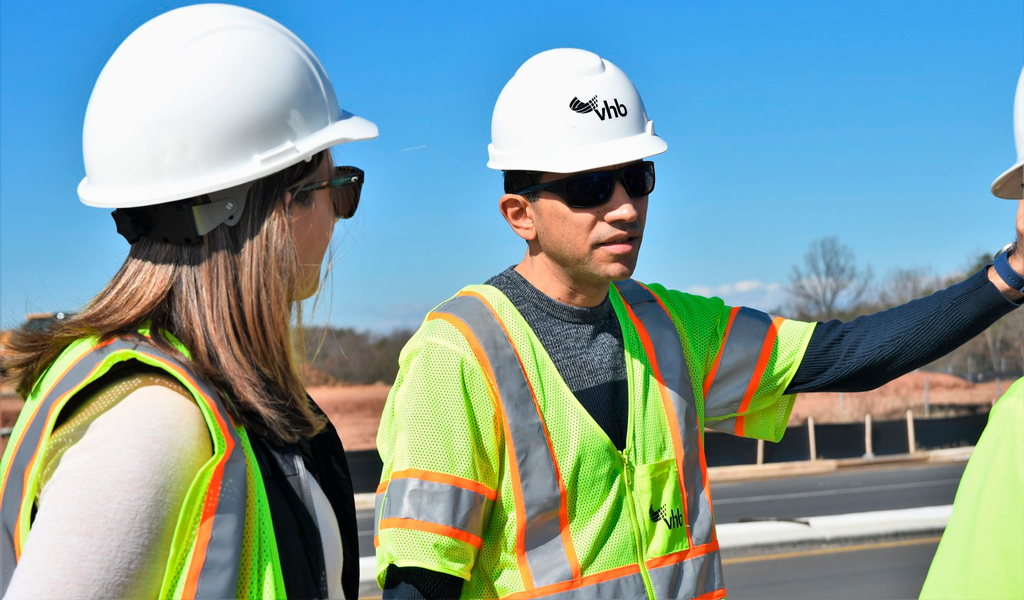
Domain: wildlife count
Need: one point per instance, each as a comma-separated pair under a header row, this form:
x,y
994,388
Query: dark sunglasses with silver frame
x,y
345,187
595,188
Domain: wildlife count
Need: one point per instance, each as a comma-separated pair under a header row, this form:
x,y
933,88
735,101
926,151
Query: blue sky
x,y
880,122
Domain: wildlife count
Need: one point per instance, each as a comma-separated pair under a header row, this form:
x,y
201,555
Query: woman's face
x,y
312,226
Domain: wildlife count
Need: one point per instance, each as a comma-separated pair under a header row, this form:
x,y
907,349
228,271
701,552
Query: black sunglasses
x,y
592,189
345,187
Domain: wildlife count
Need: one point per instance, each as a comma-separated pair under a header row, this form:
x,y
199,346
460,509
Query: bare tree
x,y
356,357
829,284
1004,340
1000,345
904,285
1016,322
996,335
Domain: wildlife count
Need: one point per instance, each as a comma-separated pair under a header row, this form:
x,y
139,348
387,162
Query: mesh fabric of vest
x,y
259,575
701,324
440,417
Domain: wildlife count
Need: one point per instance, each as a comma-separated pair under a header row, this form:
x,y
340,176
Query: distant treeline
x,y
355,357
829,284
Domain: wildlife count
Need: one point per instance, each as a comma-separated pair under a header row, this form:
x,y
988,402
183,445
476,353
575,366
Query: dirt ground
x,y
355,410
948,395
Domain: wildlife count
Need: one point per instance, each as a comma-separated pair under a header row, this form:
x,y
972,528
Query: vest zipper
x,y
627,468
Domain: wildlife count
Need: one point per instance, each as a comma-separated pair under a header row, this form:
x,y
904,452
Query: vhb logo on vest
x,y
610,111
673,520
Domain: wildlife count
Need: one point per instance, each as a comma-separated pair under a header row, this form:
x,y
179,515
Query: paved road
x,y
842,492
862,490
878,571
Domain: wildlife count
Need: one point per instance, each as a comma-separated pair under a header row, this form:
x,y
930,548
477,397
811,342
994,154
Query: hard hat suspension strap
x,y
182,222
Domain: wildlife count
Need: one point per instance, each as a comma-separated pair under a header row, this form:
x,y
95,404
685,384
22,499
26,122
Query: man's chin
x,y
619,272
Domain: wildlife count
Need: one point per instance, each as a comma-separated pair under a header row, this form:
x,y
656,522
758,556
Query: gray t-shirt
x,y
585,345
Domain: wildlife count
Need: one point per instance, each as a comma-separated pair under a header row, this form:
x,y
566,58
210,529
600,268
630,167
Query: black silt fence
x,y
723,450
795,445
841,440
889,437
949,432
365,466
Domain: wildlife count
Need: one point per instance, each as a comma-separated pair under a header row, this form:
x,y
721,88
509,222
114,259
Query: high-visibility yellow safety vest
x,y
224,544
981,554
494,473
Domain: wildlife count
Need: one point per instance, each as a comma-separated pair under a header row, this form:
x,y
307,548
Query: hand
x,y
1016,260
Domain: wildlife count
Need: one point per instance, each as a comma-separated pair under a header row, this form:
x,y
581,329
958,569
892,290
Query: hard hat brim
x,y
552,159
1008,185
349,128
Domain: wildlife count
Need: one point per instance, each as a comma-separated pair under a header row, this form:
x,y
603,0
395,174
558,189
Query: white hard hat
x,y
1010,184
568,110
205,98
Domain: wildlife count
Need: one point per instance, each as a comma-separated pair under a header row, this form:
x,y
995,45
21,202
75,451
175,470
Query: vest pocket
x,y
660,508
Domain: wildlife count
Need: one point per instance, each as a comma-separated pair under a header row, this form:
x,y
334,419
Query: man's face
x,y
590,245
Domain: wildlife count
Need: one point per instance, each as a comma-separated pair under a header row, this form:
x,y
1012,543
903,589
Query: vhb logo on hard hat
x,y
613,111
532,130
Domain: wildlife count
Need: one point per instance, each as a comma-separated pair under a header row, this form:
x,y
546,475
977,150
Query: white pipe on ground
x,y
868,448
811,438
911,439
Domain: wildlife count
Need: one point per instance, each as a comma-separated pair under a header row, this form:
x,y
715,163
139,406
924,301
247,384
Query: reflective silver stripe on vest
x,y
438,503
7,561
627,586
378,502
545,553
219,575
737,363
28,443
688,579
725,425
668,352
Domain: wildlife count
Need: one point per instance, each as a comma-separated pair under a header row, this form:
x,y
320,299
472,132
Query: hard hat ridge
x,y
568,110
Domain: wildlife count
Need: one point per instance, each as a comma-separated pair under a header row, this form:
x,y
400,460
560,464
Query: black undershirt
x,y
587,348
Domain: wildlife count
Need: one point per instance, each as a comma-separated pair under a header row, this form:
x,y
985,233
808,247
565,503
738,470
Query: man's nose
x,y
621,207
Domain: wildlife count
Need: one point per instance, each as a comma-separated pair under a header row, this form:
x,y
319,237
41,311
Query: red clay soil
x,y
316,378
10,406
355,410
947,394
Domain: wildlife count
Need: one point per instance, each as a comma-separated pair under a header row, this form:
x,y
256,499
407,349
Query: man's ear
x,y
518,211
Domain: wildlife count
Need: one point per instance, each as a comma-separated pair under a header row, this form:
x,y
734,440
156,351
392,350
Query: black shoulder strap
x,y
294,516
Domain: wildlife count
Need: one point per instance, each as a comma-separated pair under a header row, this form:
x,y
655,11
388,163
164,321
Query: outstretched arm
x,y
872,350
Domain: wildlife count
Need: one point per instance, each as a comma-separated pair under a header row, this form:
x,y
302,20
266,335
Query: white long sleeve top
x,y
115,480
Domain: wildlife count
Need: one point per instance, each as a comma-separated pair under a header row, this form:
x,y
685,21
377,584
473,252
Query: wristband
x,y
1012,278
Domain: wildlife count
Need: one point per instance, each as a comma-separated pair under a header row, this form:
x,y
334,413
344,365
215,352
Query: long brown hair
x,y
228,300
